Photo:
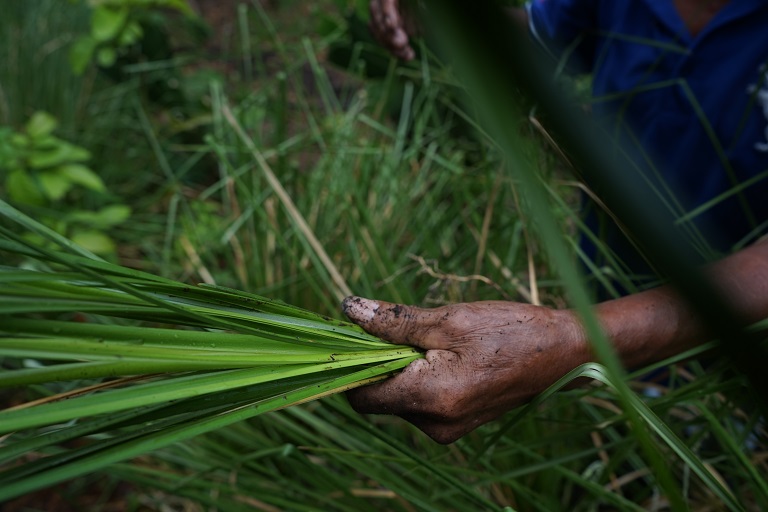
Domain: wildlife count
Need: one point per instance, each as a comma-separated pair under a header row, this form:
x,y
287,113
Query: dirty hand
x,y
482,359
389,28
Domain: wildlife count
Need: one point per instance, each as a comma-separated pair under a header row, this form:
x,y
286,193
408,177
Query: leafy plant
x,y
41,170
114,27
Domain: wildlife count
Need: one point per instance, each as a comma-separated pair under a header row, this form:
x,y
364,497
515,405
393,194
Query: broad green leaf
x,y
94,241
19,140
54,185
45,142
40,125
82,175
81,53
130,34
114,214
102,219
62,153
106,56
23,189
107,22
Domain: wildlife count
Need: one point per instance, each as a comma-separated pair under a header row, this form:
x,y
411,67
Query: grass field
x,y
286,155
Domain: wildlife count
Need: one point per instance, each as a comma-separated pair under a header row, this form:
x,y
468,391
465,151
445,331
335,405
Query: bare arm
x,y
392,26
485,358
655,324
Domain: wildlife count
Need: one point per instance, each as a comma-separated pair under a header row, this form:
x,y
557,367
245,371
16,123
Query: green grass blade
x,y
167,436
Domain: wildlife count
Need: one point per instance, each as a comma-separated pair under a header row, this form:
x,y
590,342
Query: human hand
x,y
482,359
389,27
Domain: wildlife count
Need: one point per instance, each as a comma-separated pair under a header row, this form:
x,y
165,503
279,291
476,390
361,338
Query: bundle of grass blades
x,y
213,356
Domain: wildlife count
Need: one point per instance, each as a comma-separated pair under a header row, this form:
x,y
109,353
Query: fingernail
x,y
359,309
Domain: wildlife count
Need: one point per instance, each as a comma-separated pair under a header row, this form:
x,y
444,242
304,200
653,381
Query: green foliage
x,y
41,170
115,26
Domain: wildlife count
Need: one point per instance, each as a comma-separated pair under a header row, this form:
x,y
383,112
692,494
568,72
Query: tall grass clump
x,y
36,74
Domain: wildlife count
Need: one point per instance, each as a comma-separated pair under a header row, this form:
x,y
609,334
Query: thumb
x,y
393,322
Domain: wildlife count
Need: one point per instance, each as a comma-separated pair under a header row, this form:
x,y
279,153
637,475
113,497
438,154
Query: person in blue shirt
x,y
682,83
685,82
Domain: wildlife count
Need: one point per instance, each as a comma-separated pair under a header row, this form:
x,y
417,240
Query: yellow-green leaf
x,y
130,34
107,22
94,241
114,214
82,175
106,56
41,124
81,53
23,189
54,185
63,153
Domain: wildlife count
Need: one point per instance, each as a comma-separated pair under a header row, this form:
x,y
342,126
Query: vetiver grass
x,y
273,361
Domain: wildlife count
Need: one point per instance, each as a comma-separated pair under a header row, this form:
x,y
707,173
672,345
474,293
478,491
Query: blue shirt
x,y
694,108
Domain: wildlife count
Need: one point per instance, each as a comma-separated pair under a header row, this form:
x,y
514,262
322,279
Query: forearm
x,y
652,325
